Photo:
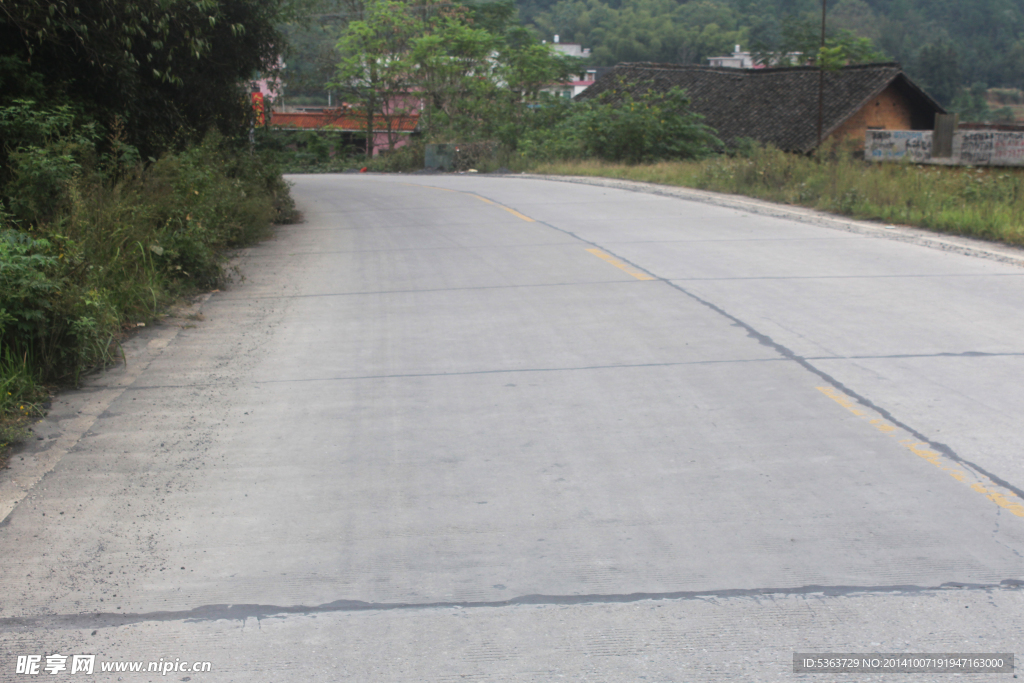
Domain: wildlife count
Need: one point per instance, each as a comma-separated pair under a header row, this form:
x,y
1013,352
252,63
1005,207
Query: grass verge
x,y
91,246
986,203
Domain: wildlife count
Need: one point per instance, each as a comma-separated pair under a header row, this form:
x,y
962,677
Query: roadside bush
x,y
309,151
93,242
45,156
407,158
622,128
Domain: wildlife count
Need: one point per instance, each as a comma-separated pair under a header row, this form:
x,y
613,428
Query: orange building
x,y
351,123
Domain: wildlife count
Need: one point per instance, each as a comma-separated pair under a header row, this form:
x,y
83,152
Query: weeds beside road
x,y
986,203
93,245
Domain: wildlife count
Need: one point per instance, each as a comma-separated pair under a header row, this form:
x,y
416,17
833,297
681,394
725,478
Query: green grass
x,y
986,203
113,248
21,400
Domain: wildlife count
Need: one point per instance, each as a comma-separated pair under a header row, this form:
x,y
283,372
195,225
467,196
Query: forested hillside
x,y
943,44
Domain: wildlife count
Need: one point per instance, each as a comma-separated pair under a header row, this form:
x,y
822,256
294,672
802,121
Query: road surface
x,y
509,429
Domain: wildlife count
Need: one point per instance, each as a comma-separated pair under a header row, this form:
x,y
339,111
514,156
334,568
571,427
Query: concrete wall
x,y
890,110
989,147
970,147
893,145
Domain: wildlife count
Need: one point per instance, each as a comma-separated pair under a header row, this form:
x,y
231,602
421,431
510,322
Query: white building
x,y
581,82
738,60
744,60
571,49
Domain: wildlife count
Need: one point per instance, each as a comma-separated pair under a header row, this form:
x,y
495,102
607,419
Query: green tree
x,y
939,67
377,67
166,70
455,72
645,30
855,16
621,127
972,103
988,35
474,72
311,59
800,44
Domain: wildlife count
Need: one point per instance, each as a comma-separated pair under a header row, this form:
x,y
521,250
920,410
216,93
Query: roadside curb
x,y
900,233
74,412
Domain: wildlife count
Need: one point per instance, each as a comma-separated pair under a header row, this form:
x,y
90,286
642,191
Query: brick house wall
x,y
890,110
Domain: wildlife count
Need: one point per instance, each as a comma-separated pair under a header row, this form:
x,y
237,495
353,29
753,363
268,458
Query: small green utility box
x,y
440,157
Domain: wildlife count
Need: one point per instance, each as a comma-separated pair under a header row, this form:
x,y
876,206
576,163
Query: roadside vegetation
x,y
951,49
986,203
622,128
126,174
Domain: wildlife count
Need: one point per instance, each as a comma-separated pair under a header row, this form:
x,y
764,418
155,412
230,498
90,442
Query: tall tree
x,y
939,66
471,69
455,70
376,67
162,69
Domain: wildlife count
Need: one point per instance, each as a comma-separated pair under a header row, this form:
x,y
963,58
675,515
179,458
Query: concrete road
x,y
507,429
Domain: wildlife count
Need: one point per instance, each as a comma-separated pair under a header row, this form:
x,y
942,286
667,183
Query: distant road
x,y
508,429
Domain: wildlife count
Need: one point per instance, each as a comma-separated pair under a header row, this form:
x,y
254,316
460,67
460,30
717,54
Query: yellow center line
x,y
502,206
1002,498
638,274
483,199
517,214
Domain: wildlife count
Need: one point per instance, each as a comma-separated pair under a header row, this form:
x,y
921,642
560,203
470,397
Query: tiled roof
x,y
777,106
339,119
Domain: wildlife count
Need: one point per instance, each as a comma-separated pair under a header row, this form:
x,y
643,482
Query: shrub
x,y
91,243
619,127
409,157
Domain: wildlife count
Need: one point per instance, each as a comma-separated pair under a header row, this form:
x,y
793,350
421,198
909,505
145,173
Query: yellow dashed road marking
x,y
517,214
483,199
502,206
639,275
1001,497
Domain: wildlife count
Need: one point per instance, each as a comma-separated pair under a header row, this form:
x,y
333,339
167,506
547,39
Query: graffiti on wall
x,y
991,148
893,145
970,148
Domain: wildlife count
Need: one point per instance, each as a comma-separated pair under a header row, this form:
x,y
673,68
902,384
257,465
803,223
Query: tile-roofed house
x,y
780,105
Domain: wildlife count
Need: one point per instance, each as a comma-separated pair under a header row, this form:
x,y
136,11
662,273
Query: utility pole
x,y
821,75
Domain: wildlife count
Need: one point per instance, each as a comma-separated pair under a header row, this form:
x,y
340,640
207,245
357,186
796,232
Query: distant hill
x,y
943,44
951,47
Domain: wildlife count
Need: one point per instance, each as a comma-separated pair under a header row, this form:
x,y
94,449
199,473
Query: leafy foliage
x,y
43,150
937,41
939,70
454,71
25,284
972,105
166,69
98,241
648,128
645,30
91,240
800,43
377,65
475,73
